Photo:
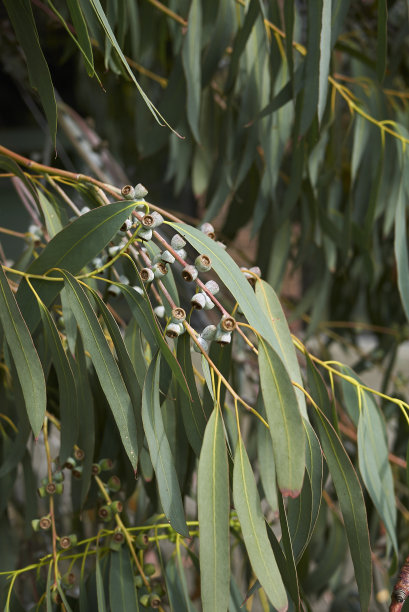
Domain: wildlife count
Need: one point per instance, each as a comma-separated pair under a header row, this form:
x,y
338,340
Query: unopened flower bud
x,y
198,301
142,540
212,287
202,343
177,242
209,332
106,464
208,229
159,311
167,257
140,191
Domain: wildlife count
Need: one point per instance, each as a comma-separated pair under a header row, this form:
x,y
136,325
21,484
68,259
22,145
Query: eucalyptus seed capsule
x,y
209,332
152,220
181,253
113,250
67,541
227,323
203,263
128,192
222,337
105,513
147,275
116,506
178,315
167,257
189,273
145,234
114,483
138,290
160,270
44,523
209,304
174,330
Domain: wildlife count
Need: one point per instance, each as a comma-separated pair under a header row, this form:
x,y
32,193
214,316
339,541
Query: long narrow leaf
x,y
247,504
159,449
284,419
105,365
28,366
214,508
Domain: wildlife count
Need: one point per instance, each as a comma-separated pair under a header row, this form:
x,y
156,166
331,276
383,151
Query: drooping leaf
x,y
281,340
325,56
159,449
214,508
401,246
191,51
309,95
28,365
194,418
374,464
284,419
22,19
105,365
247,504
382,39
102,606
352,504
303,511
122,592
267,465
68,404
82,32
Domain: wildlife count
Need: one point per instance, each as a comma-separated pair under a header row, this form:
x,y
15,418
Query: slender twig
x,y
51,500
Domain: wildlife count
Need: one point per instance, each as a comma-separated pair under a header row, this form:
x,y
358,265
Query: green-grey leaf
x,y
192,66
105,365
159,449
102,607
325,56
194,418
401,247
68,404
303,511
284,419
280,339
22,19
374,464
82,33
28,366
122,592
213,509
247,504
352,504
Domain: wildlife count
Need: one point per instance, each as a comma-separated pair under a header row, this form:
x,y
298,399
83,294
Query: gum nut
x,y
189,273
203,263
138,289
84,210
177,242
198,301
147,275
167,257
35,229
203,343
209,304
140,191
160,270
209,332
212,286
126,226
182,253
178,315
159,311
145,234
124,280
207,228
174,330
223,337
157,258
152,220
113,250
128,192
227,323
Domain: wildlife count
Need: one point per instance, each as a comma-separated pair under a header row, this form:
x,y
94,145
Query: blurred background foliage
x,y
289,132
